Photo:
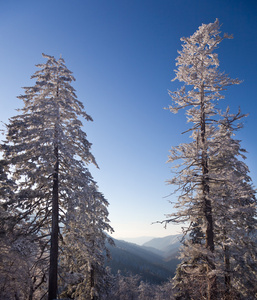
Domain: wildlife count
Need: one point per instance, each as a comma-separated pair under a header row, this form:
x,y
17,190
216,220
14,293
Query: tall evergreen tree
x,y
48,152
196,175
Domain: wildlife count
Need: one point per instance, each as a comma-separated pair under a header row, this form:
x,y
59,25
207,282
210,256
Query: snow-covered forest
x,y
54,226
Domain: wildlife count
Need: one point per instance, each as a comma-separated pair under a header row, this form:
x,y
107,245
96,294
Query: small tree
x,y
84,245
126,287
22,268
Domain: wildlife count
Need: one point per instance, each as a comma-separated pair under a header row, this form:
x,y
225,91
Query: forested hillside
x,y
151,264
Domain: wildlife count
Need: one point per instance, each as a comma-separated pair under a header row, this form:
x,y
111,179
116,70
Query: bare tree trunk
x,y
31,292
92,281
207,207
227,277
52,287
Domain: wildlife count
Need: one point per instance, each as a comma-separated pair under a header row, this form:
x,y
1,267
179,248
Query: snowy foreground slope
x,y
155,261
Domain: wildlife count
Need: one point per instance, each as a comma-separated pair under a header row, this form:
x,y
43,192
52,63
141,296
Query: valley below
x,y
155,261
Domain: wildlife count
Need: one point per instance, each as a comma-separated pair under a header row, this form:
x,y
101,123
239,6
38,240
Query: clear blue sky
x,y
122,53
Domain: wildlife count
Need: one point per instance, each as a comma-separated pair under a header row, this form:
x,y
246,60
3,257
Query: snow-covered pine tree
x,y
22,269
235,224
198,70
234,212
84,239
126,287
47,152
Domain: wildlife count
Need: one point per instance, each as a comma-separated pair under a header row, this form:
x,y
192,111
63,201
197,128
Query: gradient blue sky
x,y
122,53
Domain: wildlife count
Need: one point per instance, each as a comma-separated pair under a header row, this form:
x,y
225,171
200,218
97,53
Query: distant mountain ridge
x,y
138,240
155,261
167,247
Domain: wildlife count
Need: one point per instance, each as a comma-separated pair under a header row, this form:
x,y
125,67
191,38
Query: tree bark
x,y
227,277
207,207
53,270
52,287
92,281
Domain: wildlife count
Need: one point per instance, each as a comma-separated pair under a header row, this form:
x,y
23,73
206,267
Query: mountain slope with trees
x,y
167,247
151,264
